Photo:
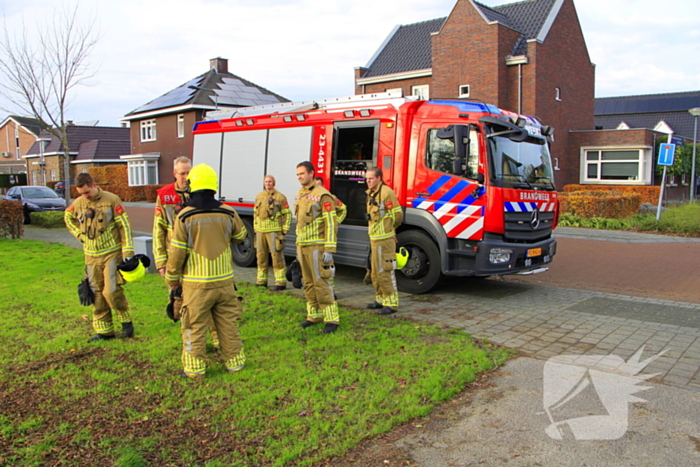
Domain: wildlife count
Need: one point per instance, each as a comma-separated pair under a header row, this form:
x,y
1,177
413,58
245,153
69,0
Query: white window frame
x,y
181,125
53,175
394,90
138,166
422,91
644,173
557,94
148,130
462,88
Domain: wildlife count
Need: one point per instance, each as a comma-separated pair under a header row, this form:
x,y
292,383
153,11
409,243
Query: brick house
x,y
161,129
17,135
90,146
529,57
635,123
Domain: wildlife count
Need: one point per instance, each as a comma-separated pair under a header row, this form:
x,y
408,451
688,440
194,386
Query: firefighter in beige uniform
x,y
341,212
169,202
385,215
316,242
200,258
271,222
97,218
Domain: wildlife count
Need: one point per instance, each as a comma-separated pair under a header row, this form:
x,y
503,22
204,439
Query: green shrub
x,y
50,220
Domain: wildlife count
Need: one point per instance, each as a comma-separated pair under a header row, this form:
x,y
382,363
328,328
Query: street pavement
x,y
505,423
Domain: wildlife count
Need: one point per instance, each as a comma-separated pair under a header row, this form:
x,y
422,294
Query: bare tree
x,y
40,73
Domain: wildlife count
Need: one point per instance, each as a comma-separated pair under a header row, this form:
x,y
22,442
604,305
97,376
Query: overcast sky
x,y
304,49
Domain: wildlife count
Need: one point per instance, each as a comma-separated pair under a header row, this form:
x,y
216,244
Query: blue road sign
x,y
677,140
666,154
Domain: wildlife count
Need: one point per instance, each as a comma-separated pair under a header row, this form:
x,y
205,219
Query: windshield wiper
x,y
548,183
522,179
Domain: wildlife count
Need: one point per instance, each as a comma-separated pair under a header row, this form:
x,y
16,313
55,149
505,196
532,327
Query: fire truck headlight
x,y
500,255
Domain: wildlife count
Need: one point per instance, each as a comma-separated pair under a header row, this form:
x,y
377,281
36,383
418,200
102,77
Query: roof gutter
x,y
396,76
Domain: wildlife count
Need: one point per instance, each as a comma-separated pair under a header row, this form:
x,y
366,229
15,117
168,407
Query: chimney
x,y
220,65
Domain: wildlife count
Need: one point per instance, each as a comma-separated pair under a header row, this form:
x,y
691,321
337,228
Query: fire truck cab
x,y
475,181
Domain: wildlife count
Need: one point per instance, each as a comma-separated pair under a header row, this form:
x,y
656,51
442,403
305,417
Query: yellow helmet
x,y
401,258
134,268
203,177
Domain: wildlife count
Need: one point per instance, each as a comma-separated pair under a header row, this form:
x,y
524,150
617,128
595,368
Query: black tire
x,y
27,218
244,253
423,271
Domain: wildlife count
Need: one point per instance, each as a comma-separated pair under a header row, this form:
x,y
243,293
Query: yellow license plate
x,y
534,252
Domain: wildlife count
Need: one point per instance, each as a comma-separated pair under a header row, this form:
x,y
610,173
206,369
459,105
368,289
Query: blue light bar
x,y
462,106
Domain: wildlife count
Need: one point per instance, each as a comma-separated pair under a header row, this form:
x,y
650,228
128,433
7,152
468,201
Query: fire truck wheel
x,y
244,253
422,271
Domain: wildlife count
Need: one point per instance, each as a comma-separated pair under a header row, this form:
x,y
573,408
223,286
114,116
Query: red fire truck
x,y
475,181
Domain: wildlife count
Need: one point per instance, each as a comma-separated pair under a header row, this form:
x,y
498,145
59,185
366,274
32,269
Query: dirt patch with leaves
x,y
82,429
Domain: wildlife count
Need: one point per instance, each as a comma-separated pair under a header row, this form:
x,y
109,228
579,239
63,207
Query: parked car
x,y
60,187
36,199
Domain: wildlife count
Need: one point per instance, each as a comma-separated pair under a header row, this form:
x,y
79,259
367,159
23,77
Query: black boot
x,y
101,337
386,311
330,327
128,329
374,306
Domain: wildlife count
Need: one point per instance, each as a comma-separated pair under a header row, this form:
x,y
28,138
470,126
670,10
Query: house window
x,y
148,130
53,175
464,90
181,126
143,172
421,91
557,94
616,166
394,90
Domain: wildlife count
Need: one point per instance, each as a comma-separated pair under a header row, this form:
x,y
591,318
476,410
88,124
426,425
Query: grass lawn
x,y
302,399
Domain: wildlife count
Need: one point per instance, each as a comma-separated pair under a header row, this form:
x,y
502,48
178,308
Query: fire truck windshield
x,y
521,164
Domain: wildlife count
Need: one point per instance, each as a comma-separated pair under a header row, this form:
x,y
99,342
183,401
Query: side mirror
x,y
480,178
460,135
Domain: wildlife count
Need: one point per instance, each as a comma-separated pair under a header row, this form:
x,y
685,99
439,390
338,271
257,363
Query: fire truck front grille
x,y
528,227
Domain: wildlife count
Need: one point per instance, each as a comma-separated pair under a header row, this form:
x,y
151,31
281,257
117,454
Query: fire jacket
x,y
200,250
271,213
168,204
101,224
341,210
383,212
316,218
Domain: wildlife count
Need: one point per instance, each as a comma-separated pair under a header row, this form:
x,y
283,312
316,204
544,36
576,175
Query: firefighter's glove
x,y
85,293
174,305
294,274
327,258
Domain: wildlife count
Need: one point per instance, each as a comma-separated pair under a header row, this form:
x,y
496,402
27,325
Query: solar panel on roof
x,y
177,96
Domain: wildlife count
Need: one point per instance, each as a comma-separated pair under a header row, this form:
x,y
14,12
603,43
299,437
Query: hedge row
x,y
11,218
647,194
607,204
146,193
110,175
